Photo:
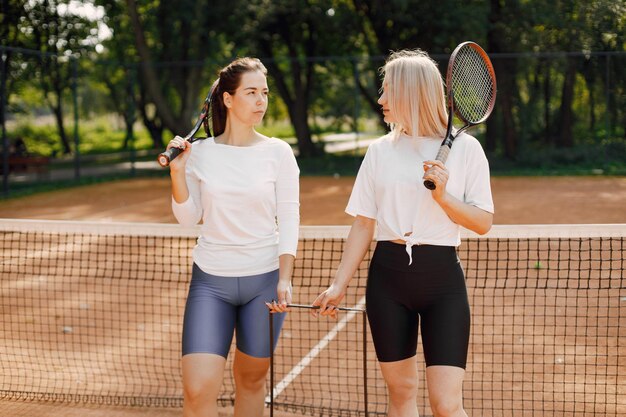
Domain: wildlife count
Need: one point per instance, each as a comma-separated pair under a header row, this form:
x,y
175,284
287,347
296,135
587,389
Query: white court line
x,y
304,362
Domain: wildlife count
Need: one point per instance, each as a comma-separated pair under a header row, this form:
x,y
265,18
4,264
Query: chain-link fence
x,y
69,119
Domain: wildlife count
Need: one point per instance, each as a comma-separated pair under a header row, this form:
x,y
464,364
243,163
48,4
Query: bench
x,y
26,163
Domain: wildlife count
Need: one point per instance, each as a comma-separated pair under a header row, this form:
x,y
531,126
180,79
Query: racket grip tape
x,y
442,156
166,157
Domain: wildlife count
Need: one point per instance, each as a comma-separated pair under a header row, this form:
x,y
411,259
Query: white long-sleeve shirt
x,y
389,188
248,200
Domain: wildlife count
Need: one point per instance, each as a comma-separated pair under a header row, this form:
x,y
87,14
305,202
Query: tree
x,y
408,24
10,12
503,36
564,35
62,37
294,37
177,44
587,26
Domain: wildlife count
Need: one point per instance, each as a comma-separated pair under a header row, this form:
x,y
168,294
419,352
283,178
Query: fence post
x,y
74,62
357,95
608,97
5,140
130,116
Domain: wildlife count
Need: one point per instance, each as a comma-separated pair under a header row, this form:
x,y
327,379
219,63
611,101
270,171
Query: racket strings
x,y
209,107
473,86
207,123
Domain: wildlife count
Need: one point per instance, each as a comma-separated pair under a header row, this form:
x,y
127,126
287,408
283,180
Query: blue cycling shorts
x,y
217,306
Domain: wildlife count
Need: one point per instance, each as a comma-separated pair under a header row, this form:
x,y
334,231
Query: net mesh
x,y
91,314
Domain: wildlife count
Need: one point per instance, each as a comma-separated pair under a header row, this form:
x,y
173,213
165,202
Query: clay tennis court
x,y
518,201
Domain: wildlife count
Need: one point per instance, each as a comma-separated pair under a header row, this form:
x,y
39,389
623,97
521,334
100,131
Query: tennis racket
x,y
166,157
471,85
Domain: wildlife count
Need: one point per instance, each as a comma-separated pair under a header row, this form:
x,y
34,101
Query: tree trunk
x,y
491,135
299,119
155,129
547,93
297,101
154,124
58,116
372,102
510,135
565,138
149,76
506,70
615,84
590,82
383,43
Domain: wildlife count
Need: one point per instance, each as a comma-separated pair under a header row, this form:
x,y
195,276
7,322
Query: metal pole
x,y
271,363
74,61
356,107
130,117
608,97
365,363
5,140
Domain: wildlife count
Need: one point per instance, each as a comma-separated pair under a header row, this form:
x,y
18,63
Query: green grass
x,y
279,129
102,141
96,136
605,158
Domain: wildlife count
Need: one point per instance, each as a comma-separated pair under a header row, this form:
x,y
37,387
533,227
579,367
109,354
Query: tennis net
x,y
92,313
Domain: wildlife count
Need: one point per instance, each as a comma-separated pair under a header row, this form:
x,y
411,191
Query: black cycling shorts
x,y
431,290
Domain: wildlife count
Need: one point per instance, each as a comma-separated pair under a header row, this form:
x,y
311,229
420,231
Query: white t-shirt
x,y
389,188
248,200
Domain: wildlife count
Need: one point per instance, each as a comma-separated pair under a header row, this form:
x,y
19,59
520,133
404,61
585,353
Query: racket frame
x,y
446,144
166,157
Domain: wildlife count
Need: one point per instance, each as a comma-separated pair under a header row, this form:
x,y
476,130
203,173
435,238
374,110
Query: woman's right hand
x,y
181,160
328,301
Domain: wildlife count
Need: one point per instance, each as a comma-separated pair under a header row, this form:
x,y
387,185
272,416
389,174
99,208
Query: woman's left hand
x,y
437,172
283,290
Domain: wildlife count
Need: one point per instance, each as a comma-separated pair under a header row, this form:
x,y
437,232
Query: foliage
x,y
61,36
98,136
325,56
605,158
296,40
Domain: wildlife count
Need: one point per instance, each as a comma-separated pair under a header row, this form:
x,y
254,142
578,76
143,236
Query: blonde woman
x,y
415,277
244,187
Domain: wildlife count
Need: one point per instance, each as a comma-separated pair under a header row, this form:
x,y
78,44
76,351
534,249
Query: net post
x,y
269,312
365,363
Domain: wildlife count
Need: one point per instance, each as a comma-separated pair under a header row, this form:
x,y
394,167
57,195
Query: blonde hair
x,y
414,88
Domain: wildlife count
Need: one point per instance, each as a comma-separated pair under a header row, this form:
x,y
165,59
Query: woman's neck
x,y
238,136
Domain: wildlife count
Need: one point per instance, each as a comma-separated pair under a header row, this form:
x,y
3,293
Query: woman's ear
x,y
228,99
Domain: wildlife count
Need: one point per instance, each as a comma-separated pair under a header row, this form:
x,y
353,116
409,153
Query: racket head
x,y
207,110
204,119
471,83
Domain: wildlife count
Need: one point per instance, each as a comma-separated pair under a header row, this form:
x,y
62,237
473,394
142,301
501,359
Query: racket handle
x,y
442,156
430,185
166,157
